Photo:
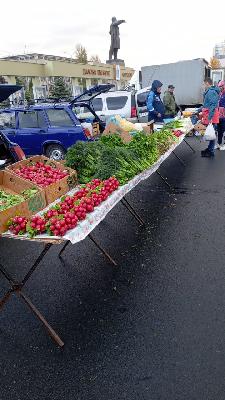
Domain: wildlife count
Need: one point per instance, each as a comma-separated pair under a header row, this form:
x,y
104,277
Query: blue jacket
x,y
154,103
211,100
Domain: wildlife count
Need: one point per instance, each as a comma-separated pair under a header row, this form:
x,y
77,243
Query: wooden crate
x,y
54,190
13,184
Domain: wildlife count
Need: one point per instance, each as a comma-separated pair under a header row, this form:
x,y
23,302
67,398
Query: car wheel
x,y
55,152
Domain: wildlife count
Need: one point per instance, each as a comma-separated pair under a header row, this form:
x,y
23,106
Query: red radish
x,y
17,225
41,174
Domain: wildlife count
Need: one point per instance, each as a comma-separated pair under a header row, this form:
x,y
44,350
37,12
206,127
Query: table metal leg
x,y
189,146
16,287
41,318
181,161
63,248
102,250
5,298
131,209
164,180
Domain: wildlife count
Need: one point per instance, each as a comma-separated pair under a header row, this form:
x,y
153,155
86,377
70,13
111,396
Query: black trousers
x,y
221,130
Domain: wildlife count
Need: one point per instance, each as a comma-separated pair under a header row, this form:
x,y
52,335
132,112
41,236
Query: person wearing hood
x,y
209,111
221,124
155,106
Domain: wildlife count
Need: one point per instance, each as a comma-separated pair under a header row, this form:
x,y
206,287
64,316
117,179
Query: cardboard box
x,y
13,184
112,129
54,190
199,127
96,130
148,128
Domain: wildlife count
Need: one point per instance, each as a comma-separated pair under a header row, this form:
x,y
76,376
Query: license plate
x,y
145,114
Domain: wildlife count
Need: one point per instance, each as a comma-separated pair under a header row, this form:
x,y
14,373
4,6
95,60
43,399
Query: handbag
x,y
210,133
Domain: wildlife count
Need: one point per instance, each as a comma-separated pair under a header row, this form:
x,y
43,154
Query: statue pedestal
x,y
116,62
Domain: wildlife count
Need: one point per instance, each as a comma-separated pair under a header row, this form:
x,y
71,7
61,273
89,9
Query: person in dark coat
x,y
155,106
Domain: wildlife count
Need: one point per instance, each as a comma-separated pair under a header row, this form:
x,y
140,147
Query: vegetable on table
x,y
111,156
66,214
8,200
40,173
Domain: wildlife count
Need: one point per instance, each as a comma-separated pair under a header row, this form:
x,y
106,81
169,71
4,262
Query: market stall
x,y
91,203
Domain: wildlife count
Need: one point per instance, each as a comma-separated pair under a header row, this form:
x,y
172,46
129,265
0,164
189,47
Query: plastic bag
x,y
210,133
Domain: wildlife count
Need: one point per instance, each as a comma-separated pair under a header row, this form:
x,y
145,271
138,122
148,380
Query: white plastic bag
x,y
210,133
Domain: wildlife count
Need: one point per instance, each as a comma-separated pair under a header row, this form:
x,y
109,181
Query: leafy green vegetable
x,y
111,157
27,194
112,140
173,125
9,200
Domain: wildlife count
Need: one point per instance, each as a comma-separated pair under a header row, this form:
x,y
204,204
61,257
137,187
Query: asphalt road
x,y
152,329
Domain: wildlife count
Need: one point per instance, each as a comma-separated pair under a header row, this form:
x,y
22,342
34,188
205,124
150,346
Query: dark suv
x,y
49,128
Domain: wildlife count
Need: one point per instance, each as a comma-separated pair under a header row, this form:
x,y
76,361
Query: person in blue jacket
x,y
211,101
155,106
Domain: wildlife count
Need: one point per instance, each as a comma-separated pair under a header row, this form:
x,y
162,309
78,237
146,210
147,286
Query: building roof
x,y
37,56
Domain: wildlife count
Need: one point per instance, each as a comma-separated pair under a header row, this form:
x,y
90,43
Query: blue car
x,y
51,128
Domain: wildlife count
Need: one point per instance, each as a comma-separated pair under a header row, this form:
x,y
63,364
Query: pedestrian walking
x,y
155,106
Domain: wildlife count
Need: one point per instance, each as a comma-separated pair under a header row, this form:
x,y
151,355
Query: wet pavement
x,y
152,328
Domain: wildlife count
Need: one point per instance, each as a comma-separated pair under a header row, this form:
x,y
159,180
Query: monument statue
x,y
115,37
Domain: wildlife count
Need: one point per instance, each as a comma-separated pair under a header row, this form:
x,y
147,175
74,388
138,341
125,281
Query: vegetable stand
x,y
76,235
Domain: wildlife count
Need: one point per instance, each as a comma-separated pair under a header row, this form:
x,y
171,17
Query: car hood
x,y
89,94
7,90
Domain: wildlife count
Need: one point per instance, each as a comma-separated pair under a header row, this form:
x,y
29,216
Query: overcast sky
x,y
155,31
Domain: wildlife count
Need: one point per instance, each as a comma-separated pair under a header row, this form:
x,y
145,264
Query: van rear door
x,y
118,104
141,102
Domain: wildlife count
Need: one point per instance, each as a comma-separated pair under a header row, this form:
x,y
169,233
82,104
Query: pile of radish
x,y
66,214
40,173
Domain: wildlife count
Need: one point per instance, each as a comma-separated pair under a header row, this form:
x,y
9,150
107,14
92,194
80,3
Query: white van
x,y
109,104
141,104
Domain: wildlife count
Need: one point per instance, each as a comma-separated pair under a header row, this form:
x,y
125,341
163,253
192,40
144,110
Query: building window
x,y
82,83
94,81
40,92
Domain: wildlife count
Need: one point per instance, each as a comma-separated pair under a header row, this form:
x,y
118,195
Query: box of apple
x,y
52,176
66,214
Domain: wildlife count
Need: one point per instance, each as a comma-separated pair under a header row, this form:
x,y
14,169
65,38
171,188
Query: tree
x,y
95,59
81,54
29,94
214,63
59,89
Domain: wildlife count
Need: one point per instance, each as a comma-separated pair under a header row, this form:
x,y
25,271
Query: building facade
x,y
219,50
41,69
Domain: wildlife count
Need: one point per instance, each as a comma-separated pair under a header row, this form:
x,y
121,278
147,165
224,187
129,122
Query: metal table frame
x,y
17,287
